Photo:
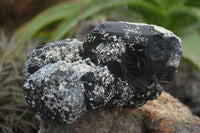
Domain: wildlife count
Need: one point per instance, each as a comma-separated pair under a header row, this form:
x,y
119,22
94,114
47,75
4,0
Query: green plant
x,y
15,114
182,17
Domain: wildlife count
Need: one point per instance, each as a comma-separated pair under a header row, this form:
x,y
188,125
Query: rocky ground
x,y
165,114
186,88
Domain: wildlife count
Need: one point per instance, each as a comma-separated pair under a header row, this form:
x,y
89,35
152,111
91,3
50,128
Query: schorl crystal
x,y
119,63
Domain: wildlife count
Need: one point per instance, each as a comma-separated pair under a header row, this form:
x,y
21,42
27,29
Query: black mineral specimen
x,y
54,94
140,54
64,50
57,92
99,87
119,63
137,49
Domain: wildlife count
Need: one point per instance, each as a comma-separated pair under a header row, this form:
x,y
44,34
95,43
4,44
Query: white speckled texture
x,y
64,50
119,63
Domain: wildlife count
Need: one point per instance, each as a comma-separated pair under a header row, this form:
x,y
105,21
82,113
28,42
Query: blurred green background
x,y
27,23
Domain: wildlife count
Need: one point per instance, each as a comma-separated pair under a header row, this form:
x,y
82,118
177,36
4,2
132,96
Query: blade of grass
x,y
48,17
194,3
6,128
190,11
10,108
168,3
187,14
191,48
150,13
65,27
94,6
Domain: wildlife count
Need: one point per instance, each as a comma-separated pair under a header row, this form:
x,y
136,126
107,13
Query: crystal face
x,y
119,63
142,50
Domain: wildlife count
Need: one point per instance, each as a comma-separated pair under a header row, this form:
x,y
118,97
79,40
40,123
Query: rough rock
x,y
186,87
62,91
145,51
140,54
119,63
63,50
50,92
163,115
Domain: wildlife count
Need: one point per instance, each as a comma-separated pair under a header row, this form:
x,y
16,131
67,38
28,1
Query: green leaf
x,y
6,128
65,11
150,12
97,6
194,3
169,3
64,28
50,16
93,7
182,16
171,14
191,48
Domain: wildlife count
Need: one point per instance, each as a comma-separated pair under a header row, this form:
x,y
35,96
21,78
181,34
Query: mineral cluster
x,y
119,63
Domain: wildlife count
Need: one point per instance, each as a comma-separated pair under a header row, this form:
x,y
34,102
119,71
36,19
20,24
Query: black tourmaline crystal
x,y
140,54
64,50
119,62
142,50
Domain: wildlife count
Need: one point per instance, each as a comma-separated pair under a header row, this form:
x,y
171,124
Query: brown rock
x,y
163,115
